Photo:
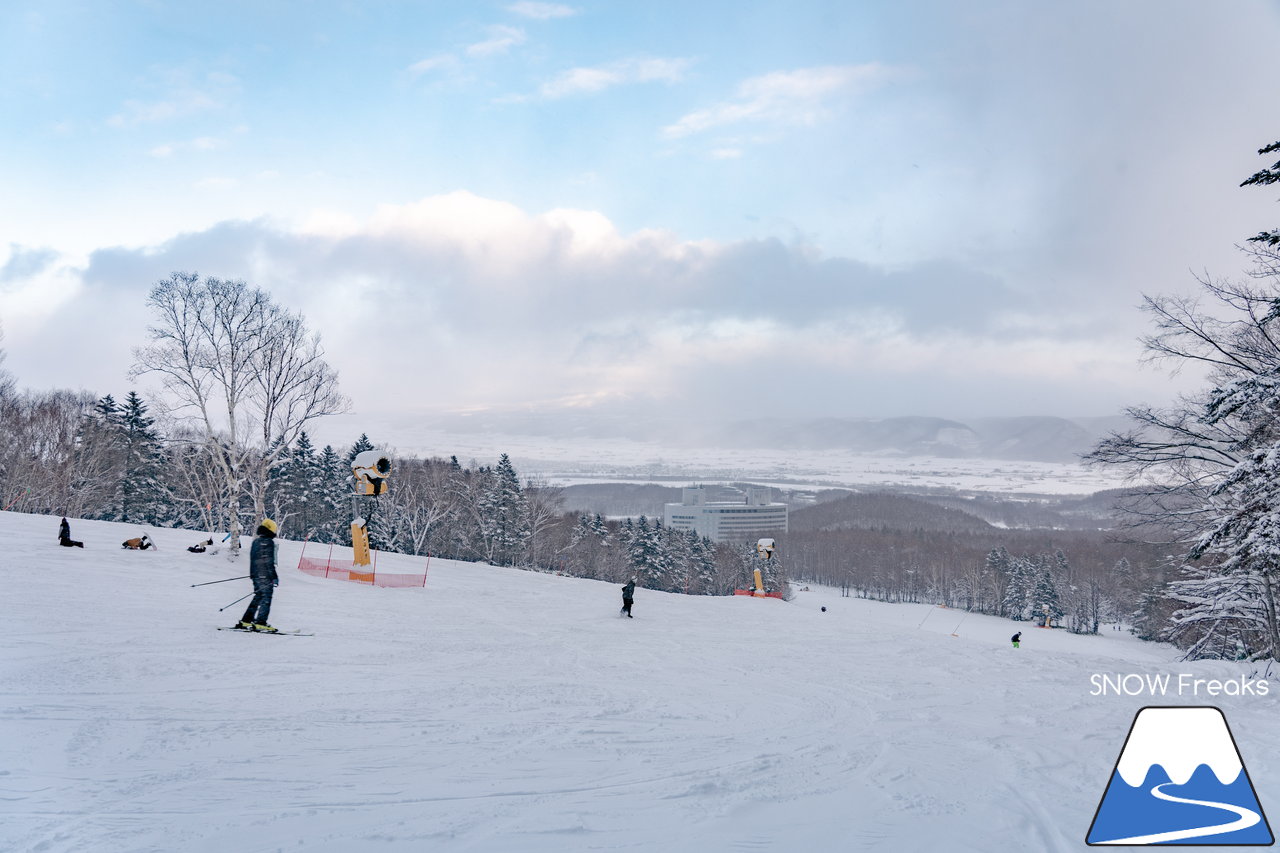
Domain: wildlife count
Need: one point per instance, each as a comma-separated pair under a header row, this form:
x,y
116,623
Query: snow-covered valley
x,y
569,460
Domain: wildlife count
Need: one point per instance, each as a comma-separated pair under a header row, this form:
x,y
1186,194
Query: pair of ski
x,y
269,633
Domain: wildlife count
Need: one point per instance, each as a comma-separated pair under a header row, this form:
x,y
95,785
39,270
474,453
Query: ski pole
x,y
224,580
234,603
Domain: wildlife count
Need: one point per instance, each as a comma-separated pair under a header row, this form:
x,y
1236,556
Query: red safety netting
x,y
326,568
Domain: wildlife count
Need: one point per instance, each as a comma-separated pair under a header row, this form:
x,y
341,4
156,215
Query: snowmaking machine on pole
x,y
369,472
765,549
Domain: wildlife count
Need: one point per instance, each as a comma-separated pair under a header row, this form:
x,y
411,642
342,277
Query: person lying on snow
x,y
140,543
201,547
64,536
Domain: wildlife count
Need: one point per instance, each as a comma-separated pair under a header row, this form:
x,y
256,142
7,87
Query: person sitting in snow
x,y
1017,638
64,536
139,543
262,569
628,596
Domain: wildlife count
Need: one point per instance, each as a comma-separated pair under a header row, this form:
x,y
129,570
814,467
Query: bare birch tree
x,y
6,378
247,373
424,496
545,511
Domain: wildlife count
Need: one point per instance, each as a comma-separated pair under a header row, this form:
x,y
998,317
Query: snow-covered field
x,y
500,710
568,461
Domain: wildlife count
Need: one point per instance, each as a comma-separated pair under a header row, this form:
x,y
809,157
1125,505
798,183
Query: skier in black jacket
x,y
1016,638
262,569
628,596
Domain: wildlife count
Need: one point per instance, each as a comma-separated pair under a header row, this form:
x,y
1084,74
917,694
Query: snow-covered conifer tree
x,y
1231,600
94,462
360,446
997,568
642,553
703,555
1017,588
334,500
503,515
142,494
1043,597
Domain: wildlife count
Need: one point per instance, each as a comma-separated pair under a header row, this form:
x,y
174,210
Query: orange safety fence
x,y
752,593
327,569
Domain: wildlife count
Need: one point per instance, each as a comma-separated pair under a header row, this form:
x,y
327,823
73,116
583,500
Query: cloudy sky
x,y
737,208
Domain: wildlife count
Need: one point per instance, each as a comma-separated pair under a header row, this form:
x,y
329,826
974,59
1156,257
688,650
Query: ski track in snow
x,y
501,710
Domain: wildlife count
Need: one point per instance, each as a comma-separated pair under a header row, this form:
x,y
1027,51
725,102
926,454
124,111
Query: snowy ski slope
x,y
501,710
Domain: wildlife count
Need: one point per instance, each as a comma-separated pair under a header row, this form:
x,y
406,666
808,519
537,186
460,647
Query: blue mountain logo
x,y
1180,780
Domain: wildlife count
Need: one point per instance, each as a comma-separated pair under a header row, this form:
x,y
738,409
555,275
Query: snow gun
x,y
371,470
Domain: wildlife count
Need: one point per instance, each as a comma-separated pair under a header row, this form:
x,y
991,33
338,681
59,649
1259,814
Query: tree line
x,y
1016,574
66,453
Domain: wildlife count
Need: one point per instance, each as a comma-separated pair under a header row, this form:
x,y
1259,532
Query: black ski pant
x,y
68,542
260,604
626,606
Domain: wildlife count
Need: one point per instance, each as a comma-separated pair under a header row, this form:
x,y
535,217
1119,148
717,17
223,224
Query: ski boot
x,y
244,625
264,628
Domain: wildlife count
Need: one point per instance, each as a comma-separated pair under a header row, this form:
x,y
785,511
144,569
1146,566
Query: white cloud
x,y
216,184
726,153
443,62
541,11
561,305
585,81
501,39
138,112
795,97
200,143
34,286
183,99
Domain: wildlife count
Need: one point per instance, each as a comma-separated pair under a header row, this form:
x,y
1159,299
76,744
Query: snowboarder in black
x,y
1017,638
64,536
628,596
262,569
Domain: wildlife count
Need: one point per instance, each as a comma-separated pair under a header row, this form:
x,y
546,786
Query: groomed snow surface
x,y
501,710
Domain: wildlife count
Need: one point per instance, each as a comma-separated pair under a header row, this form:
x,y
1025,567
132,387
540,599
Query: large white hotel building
x,y
723,521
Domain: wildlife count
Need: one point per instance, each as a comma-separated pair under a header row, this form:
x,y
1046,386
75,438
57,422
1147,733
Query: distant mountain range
x,y
1037,439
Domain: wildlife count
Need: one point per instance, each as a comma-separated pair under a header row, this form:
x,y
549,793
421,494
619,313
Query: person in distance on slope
x,y
140,543
262,569
64,536
1017,638
201,547
628,596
